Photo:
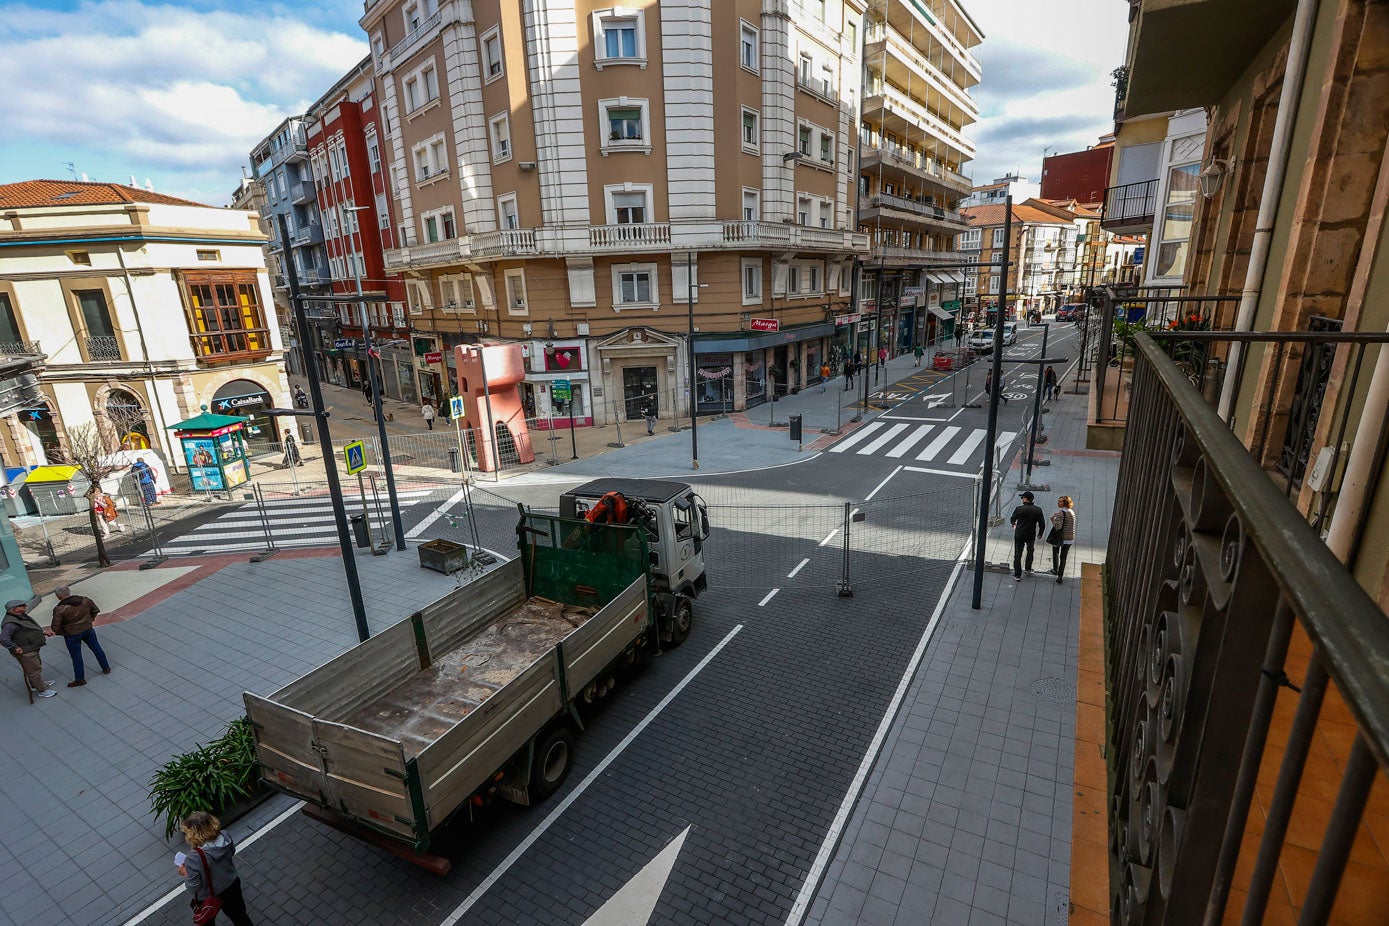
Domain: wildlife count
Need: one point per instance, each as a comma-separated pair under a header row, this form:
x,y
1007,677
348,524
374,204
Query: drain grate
x,y
1061,909
1055,690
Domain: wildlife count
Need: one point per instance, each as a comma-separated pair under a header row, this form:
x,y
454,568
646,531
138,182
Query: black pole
x,y
689,305
1037,403
869,353
325,443
573,441
991,431
376,386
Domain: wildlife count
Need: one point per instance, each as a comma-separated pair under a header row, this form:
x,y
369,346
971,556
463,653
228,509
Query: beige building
x,y
569,175
142,302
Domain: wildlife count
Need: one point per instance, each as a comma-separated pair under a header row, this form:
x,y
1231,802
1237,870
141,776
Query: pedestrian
x,y
23,637
366,389
1062,535
650,414
848,374
106,514
211,870
989,386
1027,521
144,474
1049,383
73,619
824,375
427,410
291,457
882,357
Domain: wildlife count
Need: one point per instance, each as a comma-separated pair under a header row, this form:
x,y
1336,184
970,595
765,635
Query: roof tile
x,y
29,194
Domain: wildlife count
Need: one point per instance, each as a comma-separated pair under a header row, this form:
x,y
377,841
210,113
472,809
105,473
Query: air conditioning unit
x,y
526,165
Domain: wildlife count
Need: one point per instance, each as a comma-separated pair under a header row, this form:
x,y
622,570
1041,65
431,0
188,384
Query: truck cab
x,y
676,529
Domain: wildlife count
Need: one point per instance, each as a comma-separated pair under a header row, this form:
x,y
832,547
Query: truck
x,y
478,696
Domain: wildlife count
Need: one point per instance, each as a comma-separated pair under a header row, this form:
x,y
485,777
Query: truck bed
x,y
430,703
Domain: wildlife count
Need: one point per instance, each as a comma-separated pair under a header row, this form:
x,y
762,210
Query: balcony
x,y
17,348
235,346
511,242
632,236
902,64
910,212
891,110
415,38
902,165
892,255
904,20
308,234
303,192
1246,705
1128,209
103,348
817,88
297,150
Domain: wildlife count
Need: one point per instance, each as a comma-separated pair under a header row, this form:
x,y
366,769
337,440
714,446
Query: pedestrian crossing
x,y
926,443
291,522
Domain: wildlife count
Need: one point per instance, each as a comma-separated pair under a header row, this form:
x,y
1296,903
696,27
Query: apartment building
x,y
573,177
343,132
1042,252
144,303
994,194
912,147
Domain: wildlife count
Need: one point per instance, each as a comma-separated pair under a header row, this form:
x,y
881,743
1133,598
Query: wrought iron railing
x,y
1129,204
103,347
1209,571
10,348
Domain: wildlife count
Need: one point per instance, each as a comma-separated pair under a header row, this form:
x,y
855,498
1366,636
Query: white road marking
x,y
855,437
436,514
768,597
243,845
636,900
836,829
911,439
1004,437
933,400
976,437
799,566
829,537
883,439
505,865
909,418
941,472
937,445
956,415
869,496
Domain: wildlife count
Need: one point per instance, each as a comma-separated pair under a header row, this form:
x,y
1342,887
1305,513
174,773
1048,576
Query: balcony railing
x,y
309,234
915,162
635,234
1129,205
821,88
303,192
903,204
240,344
13,348
400,50
510,242
1202,600
103,347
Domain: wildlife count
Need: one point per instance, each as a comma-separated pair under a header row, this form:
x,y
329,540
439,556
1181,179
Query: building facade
x,y
582,178
1042,253
145,304
994,194
1078,175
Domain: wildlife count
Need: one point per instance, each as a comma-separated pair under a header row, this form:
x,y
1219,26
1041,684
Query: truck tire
x,y
554,757
681,619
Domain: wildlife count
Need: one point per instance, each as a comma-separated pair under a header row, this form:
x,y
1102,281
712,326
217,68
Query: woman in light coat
x,y
1063,524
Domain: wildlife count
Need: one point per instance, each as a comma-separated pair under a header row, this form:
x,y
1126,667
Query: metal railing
x,y
103,347
1130,204
889,201
20,347
1203,596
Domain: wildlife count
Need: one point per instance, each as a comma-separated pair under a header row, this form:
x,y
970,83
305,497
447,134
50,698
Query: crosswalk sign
x,y
456,409
355,455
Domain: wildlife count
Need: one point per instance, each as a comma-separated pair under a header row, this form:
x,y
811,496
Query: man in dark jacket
x,y
1027,521
73,618
23,637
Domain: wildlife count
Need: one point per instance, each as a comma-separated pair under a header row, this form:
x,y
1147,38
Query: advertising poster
x,y
200,451
206,478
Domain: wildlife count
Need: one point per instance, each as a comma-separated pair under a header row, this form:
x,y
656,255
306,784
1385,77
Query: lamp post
x,y
991,431
690,375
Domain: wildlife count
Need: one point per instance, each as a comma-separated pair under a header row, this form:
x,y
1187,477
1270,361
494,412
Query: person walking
x,y
73,620
1062,535
919,353
848,374
650,415
366,389
106,514
1049,384
428,411
989,386
824,375
23,637
210,870
882,358
145,476
291,457
1027,522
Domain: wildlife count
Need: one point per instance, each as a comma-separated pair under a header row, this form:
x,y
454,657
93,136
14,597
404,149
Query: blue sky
x,y
179,92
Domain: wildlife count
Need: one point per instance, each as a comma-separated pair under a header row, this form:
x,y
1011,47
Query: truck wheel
x,y
554,756
681,621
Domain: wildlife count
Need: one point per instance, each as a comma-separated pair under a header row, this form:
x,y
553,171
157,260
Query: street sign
x,y
434,356
456,409
355,456
842,320
560,390
764,324
343,343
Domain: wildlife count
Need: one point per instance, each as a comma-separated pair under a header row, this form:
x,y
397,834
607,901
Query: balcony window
x,y
619,37
225,316
749,42
751,131
752,205
506,207
1177,217
803,140
826,147
629,208
803,207
492,66
807,69
826,214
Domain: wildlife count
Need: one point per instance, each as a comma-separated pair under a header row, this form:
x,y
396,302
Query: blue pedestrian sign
x,y
355,455
343,343
456,409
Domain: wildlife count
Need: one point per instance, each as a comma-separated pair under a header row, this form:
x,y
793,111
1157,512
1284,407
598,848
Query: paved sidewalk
x,y
965,817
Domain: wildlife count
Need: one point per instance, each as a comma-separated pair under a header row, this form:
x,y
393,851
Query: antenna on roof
x,y
133,182
72,169
84,177
148,185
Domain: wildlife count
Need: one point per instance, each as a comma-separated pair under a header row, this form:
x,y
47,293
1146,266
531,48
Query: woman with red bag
x,y
209,873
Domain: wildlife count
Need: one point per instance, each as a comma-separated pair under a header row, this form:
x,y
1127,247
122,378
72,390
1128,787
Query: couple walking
x,y
1028,522
73,619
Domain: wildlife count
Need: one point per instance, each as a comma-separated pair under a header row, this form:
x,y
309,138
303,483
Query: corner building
x,y
569,174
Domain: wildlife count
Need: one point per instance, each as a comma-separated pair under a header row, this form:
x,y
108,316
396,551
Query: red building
x,y
1078,175
350,177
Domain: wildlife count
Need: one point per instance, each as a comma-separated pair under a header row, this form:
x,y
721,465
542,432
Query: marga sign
x,y
764,324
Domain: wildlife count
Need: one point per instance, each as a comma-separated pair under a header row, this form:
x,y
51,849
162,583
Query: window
x,y
793,279
1177,216
421,88
438,225
993,284
748,45
492,55
752,282
634,285
506,209
80,258
851,33
439,154
803,207
9,325
812,278
225,315
826,85
807,69
827,147
457,292
516,292
751,133
383,213
619,37
803,140
629,208
826,214
997,240
209,255
431,159
624,124
413,17
420,298
374,155
752,205
499,128
819,7
969,241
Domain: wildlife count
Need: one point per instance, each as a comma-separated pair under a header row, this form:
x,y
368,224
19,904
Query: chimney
x,y
84,177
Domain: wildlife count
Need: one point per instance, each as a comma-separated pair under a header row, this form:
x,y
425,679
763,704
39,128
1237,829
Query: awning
x,y
942,314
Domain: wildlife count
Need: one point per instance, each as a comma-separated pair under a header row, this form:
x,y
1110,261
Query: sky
x,y
179,93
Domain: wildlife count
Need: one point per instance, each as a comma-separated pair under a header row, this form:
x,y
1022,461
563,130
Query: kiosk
x,y
214,447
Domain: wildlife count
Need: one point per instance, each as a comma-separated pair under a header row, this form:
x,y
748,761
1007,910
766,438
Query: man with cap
x,y
73,617
23,637
1027,521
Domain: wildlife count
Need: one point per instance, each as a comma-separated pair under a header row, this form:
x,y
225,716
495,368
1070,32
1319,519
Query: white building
x,y
996,193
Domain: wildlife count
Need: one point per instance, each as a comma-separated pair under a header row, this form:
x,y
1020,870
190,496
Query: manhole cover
x,y
1055,690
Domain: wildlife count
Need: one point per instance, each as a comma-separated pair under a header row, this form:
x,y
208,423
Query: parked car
x,y
1071,312
982,339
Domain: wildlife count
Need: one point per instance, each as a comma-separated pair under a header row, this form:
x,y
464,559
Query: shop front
x,y
557,391
638,373
246,399
736,373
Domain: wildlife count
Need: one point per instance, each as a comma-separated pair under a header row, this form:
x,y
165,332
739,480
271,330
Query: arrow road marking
x,y
634,903
934,400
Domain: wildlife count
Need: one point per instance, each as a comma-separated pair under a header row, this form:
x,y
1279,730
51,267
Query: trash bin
x,y
453,460
359,530
306,432
795,427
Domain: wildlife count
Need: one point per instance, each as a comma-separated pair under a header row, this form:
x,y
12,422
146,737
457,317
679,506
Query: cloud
x,y
159,90
1010,68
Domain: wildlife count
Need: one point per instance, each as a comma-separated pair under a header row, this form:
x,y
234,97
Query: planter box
x,y
443,556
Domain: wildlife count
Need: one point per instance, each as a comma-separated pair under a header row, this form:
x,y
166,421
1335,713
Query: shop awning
x,y
207,421
942,314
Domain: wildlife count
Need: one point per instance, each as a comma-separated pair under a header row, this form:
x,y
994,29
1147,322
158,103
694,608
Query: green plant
x,y
211,777
1125,331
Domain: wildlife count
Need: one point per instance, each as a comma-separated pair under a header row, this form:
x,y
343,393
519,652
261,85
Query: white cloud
x,y
159,90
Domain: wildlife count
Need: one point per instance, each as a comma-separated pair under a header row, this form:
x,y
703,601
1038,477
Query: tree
x,y
91,452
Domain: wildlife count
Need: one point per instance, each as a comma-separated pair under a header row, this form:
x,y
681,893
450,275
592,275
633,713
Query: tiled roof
x,y
32,193
978,216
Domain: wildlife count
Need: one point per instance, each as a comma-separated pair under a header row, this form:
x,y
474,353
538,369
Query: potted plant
x,y
1190,355
221,778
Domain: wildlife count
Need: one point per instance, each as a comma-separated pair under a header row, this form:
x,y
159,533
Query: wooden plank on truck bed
x,y
349,681
284,746
366,778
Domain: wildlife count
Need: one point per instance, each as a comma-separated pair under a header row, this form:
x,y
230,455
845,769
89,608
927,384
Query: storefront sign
x,y
343,343
563,358
764,324
434,356
241,401
842,320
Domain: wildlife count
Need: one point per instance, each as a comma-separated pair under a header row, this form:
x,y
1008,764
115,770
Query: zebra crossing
x,y
292,522
927,443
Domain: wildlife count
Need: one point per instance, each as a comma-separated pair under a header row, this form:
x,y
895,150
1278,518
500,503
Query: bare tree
x,y
91,452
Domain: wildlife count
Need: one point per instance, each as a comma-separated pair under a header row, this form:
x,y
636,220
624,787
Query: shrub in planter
x,y
213,778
